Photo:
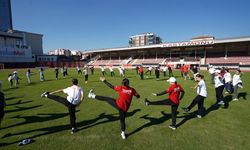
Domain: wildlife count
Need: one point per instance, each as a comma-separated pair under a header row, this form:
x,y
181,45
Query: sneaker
x,y
172,127
235,99
24,142
123,135
199,116
91,94
185,109
221,103
239,85
146,101
74,130
45,94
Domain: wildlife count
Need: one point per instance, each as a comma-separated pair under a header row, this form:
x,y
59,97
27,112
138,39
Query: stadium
x,y
202,51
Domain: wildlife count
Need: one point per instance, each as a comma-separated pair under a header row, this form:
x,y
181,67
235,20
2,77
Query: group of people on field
x,y
157,70
221,78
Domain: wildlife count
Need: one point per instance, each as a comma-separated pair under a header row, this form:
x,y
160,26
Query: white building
x,y
60,51
144,39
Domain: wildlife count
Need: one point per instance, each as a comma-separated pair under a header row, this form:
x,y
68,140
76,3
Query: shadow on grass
x,y
14,97
19,103
55,129
186,117
211,108
243,95
22,108
110,117
227,100
35,119
152,121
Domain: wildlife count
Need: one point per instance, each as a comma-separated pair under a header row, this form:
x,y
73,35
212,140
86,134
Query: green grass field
x,y
47,123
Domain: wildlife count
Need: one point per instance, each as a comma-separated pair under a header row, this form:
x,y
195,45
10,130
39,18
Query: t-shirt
x,y
211,70
202,89
236,79
74,94
111,69
174,93
218,81
164,69
103,69
227,77
125,97
10,78
140,70
86,71
185,69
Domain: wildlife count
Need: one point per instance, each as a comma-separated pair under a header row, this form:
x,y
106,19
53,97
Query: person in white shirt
x,y
228,81
79,71
219,87
16,79
164,71
74,98
149,70
86,74
41,74
121,71
199,99
103,70
10,79
112,74
28,74
212,73
237,82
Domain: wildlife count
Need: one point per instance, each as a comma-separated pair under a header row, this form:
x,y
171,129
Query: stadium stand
x,y
229,60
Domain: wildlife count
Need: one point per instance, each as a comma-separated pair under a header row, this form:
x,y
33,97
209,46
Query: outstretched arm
x,y
159,94
106,82
82,96
195,86
57,91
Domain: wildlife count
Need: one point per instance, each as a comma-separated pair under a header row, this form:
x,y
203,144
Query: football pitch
x,y
47,122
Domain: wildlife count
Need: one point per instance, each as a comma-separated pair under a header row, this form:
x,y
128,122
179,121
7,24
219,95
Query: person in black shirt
x,y
56,72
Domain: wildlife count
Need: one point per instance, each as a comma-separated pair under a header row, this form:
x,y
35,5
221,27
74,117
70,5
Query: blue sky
x,y
93,24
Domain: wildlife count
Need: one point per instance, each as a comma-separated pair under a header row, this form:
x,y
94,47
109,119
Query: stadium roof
x,y
174,44
232,40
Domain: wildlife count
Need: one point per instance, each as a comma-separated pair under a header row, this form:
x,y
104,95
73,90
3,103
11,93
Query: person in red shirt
x,y
123,102
141,72
176,93
185,72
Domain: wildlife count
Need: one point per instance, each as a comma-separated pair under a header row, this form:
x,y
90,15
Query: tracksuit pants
x,y
112,102
71,108
200,101
174,108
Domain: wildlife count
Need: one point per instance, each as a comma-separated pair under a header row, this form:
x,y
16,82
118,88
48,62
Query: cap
x,y
171,79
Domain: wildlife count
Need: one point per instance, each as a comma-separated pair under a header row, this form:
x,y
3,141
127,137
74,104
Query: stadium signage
x,y
10,52
191,43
